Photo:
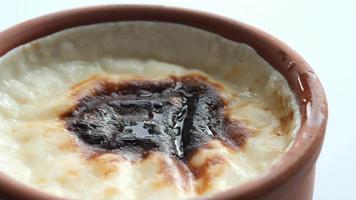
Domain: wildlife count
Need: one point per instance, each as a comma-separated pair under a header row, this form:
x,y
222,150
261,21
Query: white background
x,y
323,32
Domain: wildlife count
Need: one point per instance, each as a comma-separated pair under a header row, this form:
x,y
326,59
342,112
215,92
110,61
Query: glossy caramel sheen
x,y
174,115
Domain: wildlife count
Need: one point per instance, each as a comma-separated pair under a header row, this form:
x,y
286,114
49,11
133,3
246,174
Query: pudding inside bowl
x,y
128,109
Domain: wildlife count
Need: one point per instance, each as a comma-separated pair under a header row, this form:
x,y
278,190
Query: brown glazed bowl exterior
x,y
290,179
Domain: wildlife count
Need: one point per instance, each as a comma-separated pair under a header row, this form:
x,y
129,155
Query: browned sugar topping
x,y
175,116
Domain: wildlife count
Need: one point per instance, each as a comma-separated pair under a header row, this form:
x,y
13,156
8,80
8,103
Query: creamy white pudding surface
x,y
141,110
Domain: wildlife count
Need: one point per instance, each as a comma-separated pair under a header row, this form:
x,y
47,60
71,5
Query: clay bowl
x,y
290,179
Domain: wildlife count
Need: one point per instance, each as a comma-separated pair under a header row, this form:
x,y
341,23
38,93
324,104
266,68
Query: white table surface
x,y
323,32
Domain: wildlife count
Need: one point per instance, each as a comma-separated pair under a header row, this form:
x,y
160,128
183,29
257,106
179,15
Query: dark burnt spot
x,y
174,115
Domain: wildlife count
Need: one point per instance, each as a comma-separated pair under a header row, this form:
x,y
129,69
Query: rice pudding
x,y
130,109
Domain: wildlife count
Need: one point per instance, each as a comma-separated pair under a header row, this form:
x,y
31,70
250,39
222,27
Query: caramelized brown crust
x,y
205,176
174,115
